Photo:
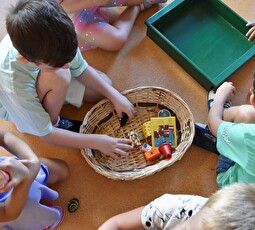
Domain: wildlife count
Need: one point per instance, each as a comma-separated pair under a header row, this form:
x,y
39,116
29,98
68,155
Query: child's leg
x,y
145,3
58,170
97,30
115,34
52,88
148,3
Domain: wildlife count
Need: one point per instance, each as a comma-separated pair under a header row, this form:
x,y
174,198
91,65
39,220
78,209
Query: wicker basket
x,y
148,101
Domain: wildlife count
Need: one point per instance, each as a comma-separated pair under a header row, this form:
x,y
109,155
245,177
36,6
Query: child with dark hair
x,y
42,68
241,113
26,185
234,129
230,133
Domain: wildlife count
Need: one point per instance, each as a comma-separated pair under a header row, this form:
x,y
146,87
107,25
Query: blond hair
x,y
232,207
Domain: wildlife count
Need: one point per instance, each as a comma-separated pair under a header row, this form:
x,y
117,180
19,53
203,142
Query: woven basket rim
x,y
148,170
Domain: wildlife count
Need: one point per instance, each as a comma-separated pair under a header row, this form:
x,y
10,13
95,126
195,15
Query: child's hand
x,y
226,91
123,105
113,147
251,33
18,172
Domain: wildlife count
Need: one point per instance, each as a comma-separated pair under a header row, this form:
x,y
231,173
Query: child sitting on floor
x,y
235,131
229,208
105,24
42,68
20,206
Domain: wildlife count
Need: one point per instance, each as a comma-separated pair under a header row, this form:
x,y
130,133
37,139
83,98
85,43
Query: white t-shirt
x,y
168,211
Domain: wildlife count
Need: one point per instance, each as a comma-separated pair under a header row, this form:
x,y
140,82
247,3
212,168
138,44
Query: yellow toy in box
x,y
163,129
147,129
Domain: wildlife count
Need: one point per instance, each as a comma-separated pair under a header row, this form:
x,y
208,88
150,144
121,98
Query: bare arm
x,y
91,78
240,114
126,221
224,93
22,174
108,145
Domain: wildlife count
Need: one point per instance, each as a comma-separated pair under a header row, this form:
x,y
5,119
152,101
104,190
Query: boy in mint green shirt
x,y
41,68
235,131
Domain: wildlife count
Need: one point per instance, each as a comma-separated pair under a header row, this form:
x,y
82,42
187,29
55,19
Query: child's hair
x,y
232,207
42,32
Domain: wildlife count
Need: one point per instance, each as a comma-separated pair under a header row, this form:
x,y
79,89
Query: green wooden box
x,y
205,37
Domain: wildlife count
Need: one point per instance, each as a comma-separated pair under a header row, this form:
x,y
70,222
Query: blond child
x,y
229,208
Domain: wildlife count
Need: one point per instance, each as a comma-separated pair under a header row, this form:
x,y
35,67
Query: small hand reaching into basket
x,y
113,147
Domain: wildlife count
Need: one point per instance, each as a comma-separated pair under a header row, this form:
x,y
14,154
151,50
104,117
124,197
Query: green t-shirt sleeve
x,y
78,64
237,142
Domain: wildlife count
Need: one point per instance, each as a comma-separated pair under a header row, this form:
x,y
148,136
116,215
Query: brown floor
x,y
141,62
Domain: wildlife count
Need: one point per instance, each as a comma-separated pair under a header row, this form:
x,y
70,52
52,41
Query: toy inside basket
x,y
148,101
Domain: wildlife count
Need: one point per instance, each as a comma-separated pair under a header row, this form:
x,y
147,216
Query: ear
x,y
252,97
22,59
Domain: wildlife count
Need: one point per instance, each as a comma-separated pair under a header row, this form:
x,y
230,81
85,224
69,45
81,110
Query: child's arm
x,y
224,93
251,33
126,221
230,113
91,78
240,114
22,174
109,146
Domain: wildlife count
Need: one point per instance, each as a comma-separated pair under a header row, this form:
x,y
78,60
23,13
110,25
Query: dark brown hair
x,y
42,32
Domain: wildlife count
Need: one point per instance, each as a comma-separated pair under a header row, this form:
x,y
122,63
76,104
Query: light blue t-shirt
x,y
19,101
236,141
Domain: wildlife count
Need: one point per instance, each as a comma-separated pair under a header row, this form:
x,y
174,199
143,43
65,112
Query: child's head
x,y
232,207
42,32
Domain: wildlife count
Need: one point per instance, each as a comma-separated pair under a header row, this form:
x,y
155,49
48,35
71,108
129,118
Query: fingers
x,y
121,148
131,112
127,116
8,186
251,23
251,33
